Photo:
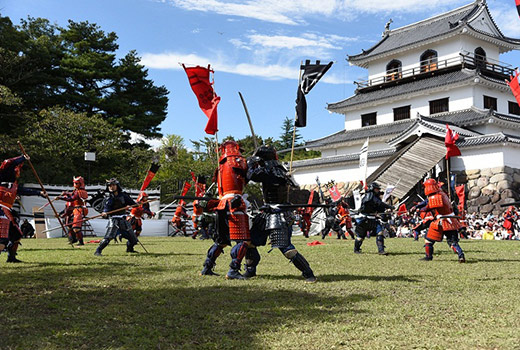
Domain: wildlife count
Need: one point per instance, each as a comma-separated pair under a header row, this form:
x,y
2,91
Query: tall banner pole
x,y
295,118
448,177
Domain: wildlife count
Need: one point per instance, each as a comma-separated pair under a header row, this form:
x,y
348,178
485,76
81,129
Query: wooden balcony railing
x,y
466,59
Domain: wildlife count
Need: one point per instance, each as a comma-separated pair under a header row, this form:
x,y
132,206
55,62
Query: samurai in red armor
x,y
136,214
274,221
232,219
78,203
444,223
179,218
305,221
10,233
345,220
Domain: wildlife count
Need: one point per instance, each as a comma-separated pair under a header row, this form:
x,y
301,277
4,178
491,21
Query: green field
x,y
65,298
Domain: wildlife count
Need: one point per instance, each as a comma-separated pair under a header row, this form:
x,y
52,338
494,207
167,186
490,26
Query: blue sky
x,y
254,47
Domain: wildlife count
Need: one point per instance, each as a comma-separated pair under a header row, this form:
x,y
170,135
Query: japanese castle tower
x,y
442,70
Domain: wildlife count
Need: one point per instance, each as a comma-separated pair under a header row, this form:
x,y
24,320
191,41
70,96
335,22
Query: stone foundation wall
x,y
488,189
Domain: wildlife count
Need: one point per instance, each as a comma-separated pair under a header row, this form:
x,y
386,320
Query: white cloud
x,y
154,143
224,64
293,12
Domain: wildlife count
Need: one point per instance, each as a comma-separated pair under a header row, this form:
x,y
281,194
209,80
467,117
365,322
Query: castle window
x,y
401,113
514,108
439,106
368,119
393,70
428,61
490,103
480,57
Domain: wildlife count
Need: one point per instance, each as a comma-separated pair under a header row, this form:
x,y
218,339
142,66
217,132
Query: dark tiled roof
x,y
487,139
414,86
467,142
362,133
414,33
473,116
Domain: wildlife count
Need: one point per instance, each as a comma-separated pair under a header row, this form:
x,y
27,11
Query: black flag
x,y
312,73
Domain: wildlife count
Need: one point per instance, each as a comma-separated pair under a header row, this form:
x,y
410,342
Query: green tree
x,y
286,136
76,68
59,138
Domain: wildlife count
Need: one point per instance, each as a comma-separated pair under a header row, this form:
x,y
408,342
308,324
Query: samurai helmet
x,y
78,182
113,181
373,186
266,153
229,148
142,197
431,186
10,170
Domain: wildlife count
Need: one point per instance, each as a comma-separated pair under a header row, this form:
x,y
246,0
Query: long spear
x,y
249,120
107,213
41,185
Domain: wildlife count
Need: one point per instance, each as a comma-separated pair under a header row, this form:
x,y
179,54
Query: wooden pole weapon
x,y
41,185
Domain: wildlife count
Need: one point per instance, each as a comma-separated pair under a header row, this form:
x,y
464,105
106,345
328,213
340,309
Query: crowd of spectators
x,y
505,226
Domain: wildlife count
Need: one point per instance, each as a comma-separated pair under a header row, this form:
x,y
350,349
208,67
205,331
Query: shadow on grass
x,y
51,313
471,260
344,277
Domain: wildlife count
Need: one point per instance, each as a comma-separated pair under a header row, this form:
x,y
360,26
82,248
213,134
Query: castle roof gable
x,y
475,16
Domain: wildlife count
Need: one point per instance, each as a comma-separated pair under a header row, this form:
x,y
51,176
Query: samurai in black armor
x,y
368,221
273,221
117,222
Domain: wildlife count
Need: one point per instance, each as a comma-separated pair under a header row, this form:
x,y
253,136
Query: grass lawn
x,y
65,298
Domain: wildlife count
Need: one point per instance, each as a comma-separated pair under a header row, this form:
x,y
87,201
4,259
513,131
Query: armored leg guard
x,y
252,260
79,237
130,247
238,252
380,241
213,253
428,249
458,250
324,233
72,237
357,245
301,264
11,253
104,242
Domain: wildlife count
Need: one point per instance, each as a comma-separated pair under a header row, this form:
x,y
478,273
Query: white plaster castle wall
x,y
503,97
479,158
459,98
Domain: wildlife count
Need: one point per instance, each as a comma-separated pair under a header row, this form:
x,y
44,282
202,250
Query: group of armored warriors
x,y
273,223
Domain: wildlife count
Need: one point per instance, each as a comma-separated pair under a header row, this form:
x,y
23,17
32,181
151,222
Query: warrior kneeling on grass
x,y
117,222
445,222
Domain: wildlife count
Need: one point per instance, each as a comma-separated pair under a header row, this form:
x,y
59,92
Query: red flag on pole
x,y
513,84
150,175
208,100
451,149
185,190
